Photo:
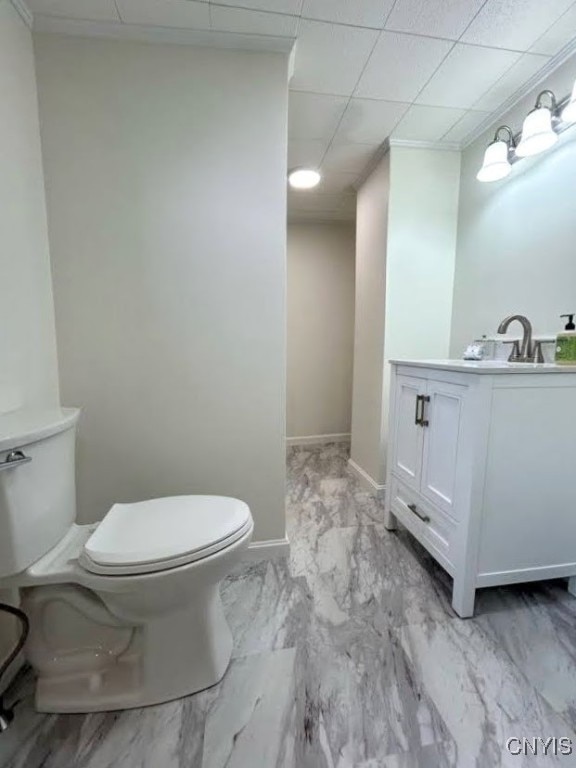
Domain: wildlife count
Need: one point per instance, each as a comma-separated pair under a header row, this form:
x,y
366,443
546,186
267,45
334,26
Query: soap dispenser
x,y
566,343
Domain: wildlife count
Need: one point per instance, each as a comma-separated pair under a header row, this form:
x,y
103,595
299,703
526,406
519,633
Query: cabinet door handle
x,y
414,508
418,414
424,422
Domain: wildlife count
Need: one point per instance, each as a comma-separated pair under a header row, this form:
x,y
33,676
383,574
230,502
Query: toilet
x,y
124,613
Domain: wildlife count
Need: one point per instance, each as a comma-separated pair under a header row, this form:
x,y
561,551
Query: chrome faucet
x,y
527,352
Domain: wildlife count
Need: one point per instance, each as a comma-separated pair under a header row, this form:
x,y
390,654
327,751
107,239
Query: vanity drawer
x,y
432,527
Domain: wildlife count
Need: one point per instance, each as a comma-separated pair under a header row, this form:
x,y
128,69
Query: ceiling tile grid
x,y
429,71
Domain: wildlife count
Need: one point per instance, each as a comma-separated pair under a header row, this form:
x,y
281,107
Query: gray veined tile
x,y
441,755
481,695
539,638
248,723
366,575
266,606
358,700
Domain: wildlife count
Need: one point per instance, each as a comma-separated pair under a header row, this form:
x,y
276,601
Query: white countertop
x,y
487,366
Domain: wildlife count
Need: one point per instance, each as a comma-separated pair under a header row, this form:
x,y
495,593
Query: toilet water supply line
x,y
7,715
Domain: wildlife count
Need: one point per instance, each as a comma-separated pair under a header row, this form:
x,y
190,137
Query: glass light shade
x,y
537,133
569,111
303,178
496,164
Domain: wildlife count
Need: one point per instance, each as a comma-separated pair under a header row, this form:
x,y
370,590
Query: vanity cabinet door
x,y
408,433
443,412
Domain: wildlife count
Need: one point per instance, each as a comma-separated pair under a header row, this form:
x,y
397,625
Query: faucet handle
x,y
515,355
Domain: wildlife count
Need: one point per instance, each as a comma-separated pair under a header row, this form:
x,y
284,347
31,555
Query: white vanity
x,y
482,469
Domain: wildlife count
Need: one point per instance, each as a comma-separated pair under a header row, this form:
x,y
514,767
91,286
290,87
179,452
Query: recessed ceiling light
x,y
303,178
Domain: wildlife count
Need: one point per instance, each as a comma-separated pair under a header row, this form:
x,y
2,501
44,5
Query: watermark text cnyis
x,y
551,746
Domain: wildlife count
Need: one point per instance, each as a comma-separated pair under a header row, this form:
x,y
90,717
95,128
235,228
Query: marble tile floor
x,y
347,654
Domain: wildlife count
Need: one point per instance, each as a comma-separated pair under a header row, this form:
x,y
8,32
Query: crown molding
x,y
23,11
379,155
389,144
531,85
447,146
205,38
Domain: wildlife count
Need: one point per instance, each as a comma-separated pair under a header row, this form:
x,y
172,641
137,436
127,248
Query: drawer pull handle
x,y
424,422
419,413
414,508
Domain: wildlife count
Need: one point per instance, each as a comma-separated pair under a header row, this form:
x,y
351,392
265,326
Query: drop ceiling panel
x,y
558,35
525,68
252,22
465,75
348,158
93,10
367,121
337,183
361,13
306,152
331,57
400,66
465,126
427,123
166,13
314,115
514,24
275,6
436,18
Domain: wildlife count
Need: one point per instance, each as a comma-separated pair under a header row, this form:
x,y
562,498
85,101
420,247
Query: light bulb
x,y
303,178
537,133
496,164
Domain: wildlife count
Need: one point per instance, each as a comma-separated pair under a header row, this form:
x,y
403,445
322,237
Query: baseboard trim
x,y
367,482
267,549
338,437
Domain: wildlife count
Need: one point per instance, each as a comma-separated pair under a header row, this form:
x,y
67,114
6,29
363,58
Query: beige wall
x,y
320,328
165,170
516,237
406,235
371,245
28,369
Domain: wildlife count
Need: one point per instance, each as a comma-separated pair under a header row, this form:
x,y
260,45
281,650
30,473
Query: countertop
x,y
487,366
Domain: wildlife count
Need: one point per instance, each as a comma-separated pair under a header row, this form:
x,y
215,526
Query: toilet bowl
x,y
125,613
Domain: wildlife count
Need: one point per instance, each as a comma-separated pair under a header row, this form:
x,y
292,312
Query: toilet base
x,y
173,656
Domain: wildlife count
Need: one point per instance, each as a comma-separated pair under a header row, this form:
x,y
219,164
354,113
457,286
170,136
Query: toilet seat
x,y
160,534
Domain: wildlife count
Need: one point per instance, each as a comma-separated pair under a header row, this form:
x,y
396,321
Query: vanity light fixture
x,y
496,163
569,111
537,132
303,178
540,131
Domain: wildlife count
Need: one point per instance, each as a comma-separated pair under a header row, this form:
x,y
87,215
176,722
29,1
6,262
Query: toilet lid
x,y
165,529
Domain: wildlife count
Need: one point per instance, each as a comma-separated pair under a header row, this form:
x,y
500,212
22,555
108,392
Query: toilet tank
x,y
38,490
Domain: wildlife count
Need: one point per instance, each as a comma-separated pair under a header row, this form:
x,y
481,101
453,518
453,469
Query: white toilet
x,y
124,613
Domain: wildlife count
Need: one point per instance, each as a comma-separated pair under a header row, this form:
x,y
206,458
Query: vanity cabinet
x,y
480,470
